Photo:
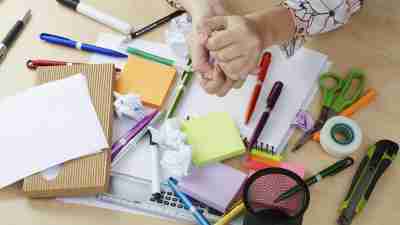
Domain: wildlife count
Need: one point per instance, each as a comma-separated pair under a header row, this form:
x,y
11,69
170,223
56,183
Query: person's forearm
x,y
274,25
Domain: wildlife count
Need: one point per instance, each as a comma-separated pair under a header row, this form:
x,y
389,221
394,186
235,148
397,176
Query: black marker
x,y
157,23
97,15
13,35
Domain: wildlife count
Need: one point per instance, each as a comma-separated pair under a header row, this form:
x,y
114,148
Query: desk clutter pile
x,y
132,130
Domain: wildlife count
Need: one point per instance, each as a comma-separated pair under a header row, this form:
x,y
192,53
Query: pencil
x,y
231,215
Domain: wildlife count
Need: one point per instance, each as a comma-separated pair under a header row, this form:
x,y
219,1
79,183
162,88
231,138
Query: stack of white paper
x,y
45,126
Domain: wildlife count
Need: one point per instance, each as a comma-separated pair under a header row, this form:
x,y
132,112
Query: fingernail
x,y
208,75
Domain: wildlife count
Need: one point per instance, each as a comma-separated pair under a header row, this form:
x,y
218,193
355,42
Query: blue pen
x,y
58,40
197,215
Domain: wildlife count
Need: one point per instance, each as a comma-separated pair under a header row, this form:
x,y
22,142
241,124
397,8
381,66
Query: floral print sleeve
x,y
313,17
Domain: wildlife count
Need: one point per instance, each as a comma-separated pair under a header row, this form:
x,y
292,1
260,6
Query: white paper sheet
x,y
47,125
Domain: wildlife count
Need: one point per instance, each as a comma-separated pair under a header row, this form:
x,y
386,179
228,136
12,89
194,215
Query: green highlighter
x,y
379,157
156,58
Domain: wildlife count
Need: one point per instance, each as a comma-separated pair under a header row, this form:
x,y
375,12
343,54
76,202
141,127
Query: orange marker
x,y
264,65
362,102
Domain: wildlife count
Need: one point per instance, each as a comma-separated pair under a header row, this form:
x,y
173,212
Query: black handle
x,y
13,33
274,94
359,171
383,166
387,150
73,4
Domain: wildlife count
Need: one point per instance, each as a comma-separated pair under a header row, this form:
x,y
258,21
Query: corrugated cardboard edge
x,y
88,175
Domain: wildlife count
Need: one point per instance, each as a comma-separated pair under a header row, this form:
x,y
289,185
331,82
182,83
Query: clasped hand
x,y
234,47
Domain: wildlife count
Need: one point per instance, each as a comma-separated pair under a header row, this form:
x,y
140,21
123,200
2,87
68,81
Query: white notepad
x,y
299,75
45,126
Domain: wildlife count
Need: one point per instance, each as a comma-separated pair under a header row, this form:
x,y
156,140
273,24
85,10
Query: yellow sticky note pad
x,y
151,80
213,138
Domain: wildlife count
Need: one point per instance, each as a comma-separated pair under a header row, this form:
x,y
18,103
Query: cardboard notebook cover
x,y
88,175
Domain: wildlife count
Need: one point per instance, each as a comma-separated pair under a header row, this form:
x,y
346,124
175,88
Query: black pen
x,y
13,35
156,24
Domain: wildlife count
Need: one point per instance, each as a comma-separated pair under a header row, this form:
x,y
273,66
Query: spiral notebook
x,y
299,75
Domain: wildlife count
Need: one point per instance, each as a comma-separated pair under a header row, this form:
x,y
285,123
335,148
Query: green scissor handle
x,y
329,91
349,94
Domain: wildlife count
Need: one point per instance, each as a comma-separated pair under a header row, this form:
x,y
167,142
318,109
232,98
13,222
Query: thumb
x,y
199,53
213,24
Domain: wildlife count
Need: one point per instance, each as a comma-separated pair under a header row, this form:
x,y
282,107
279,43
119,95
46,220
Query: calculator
x,y
135,193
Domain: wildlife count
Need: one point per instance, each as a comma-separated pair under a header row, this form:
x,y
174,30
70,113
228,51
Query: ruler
x,y
135,193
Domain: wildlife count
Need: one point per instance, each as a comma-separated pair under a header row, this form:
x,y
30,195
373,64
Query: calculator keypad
x,y
171,200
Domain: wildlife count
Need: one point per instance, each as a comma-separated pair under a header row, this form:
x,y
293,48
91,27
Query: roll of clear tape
x,y
340,136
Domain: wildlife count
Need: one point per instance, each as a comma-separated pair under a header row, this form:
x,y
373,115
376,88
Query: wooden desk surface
x,y
369,42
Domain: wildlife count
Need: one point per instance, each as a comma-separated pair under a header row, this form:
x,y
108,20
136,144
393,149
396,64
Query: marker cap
x,y
73,4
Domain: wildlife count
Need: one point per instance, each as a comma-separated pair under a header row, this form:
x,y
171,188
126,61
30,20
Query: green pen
x,y
334,169
156,58
186,78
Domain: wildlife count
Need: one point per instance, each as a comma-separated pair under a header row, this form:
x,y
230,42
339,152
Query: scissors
x,y
337,94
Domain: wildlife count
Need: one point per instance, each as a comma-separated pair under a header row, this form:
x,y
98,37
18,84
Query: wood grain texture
x,y
370,41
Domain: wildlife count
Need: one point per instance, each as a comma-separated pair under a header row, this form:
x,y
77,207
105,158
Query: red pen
x,y
264,65
33,64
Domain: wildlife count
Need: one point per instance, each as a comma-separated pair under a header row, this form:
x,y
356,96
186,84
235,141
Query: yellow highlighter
x,y
236,211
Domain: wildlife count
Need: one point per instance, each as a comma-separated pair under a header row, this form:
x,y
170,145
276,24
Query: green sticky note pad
x,y
213,138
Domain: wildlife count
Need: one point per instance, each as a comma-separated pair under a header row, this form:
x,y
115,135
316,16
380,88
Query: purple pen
x,y
271,101
122,142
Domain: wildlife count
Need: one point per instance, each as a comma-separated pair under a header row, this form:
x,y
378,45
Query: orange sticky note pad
x,y
151,80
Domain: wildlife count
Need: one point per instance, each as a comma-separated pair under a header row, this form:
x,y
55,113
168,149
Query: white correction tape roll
x,y
340,136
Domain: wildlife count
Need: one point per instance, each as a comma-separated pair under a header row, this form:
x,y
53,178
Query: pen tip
x,y
27,16
247,118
